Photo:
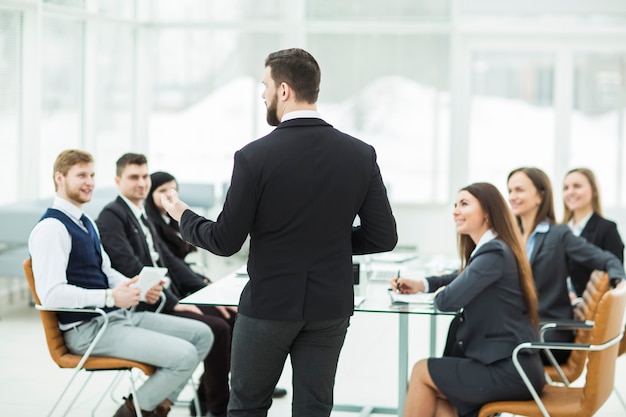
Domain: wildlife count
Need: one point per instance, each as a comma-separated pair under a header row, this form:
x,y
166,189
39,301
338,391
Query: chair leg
x,y
82,387
196,401
134,392
62,395
619,397
115,381
109,390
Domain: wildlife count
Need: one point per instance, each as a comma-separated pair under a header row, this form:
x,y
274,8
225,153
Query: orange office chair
x,y
620,352
61,355
585,311
564,401
571,370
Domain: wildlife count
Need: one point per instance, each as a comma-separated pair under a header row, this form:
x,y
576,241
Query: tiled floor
x,y
30,381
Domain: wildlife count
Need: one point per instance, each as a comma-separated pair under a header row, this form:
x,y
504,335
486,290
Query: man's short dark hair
x,y
299,70
129,159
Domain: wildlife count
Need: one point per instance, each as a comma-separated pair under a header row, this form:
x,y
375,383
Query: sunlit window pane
x,y
62,90
216,10
376,9
10,100
207,98
512,118
598,130
113,117
392,92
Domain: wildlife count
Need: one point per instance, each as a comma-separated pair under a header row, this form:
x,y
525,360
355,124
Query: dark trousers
x,y
213,391
259,351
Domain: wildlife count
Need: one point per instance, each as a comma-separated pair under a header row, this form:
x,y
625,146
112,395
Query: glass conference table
x,y
374,297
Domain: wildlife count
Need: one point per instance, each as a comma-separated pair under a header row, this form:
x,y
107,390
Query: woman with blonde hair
x,y
582,212
550,248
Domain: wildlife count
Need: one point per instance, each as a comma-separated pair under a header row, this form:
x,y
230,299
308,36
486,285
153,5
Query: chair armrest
x,y
572,323
555,346
563,325
160,305
162,300
93,343
97,310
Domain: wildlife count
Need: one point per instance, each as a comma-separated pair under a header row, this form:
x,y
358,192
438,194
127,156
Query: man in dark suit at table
x,y
132,242
296,192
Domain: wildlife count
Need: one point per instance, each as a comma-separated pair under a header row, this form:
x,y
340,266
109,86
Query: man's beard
x,y
272,112
76,196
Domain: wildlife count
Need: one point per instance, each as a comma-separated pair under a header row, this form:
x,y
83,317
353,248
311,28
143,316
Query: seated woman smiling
x,y
495,298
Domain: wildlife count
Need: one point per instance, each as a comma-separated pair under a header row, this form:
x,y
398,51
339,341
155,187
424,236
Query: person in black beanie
x,y
166,227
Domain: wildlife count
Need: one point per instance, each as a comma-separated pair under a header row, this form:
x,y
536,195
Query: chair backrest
x,y
597,286
54,337
609,323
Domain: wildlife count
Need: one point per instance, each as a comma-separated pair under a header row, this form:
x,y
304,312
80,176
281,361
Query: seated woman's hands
x,y
405,285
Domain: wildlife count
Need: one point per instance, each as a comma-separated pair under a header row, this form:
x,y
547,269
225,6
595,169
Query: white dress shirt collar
x,y
299,114
68,208
137,211
486,237
578,228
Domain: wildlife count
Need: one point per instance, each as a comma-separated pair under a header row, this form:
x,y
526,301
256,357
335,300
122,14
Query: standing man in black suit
x,y
296,192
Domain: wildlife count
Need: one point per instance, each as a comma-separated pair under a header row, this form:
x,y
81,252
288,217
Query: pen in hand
x,y
395,283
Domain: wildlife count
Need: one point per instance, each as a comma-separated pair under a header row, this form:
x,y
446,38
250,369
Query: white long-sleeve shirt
x,y
50,245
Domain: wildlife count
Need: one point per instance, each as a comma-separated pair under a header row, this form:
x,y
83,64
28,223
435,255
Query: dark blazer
x,y
124,240
550,259
602,233
550,264
296,193
494,318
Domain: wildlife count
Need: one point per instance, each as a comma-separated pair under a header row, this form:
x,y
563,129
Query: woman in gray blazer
x,y
551,247
496,302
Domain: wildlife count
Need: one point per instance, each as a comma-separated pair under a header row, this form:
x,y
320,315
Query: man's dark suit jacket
x,y
490,283
602,233
296,192
125,242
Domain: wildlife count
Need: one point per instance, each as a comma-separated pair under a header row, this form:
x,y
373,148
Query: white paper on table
x,y
224,292
420,297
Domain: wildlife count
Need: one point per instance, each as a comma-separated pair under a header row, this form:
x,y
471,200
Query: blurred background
x,y
448,91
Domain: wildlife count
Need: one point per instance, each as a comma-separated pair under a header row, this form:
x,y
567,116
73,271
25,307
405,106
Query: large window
x,y
10,99
113,82
207,100
512,117
392,92
61,90
389,90
598,127
437,87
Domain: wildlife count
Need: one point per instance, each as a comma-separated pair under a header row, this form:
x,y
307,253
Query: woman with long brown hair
x,y
495,298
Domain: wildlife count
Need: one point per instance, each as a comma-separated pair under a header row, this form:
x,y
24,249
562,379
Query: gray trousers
x,y
258,355
174,345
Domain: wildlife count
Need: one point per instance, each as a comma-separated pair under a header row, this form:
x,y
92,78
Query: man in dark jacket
x,y
296,192
130,239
